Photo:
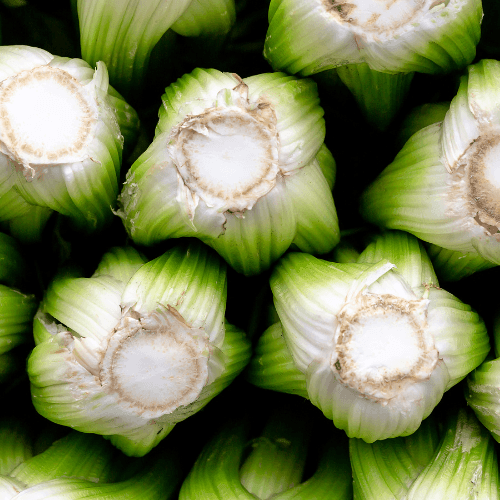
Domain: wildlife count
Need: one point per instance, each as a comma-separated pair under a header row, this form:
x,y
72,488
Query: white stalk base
x,y
382,347
227,156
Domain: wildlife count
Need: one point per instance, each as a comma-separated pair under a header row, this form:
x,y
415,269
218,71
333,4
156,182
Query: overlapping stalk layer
x,y
239,164
374,344
443,185
62,132
137,347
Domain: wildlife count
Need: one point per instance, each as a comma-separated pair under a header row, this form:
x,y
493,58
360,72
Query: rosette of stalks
x,y
449,265
374,46
17,308
40,465
443,186
373,343
123,33
239,164
455,458
62,130
283,453
137,347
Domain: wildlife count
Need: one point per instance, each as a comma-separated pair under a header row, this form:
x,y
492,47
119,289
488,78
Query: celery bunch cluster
x,y
186,312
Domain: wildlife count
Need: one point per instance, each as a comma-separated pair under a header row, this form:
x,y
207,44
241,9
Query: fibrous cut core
x,y
45,117
155,363
228,155
380,16
382,346
483,164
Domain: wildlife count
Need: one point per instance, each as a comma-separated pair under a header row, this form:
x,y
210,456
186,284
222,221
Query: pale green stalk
x,y
464,466
443,185
375,47
349,334
483,387
63,130
81,466
237,463
250,194
122,33
137,347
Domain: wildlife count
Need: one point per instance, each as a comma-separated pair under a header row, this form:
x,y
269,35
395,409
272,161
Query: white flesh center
x,y
383,346
150,364
156,363
228,157
45,116
380,16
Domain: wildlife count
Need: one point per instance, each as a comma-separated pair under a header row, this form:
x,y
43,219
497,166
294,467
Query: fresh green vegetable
x,y
443,186
62,130
137,347
379,96
238,164
427,36
449,265
386,469
122,33
28,227
483,387
80,466
376,46
241,463
452,265
463,465
377,341
420,117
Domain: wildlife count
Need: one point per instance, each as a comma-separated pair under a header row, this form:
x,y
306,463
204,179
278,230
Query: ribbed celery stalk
x,y
122,33
80,466
62,129
462,465
483,387
465,465
377,341
420,117
16,444
386,469
443,185
28,227
272,366
137,347
379,95
239,463
376,45
238,164
451,265
407,35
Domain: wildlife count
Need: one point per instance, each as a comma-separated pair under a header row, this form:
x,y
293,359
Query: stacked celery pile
x,y
249,250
